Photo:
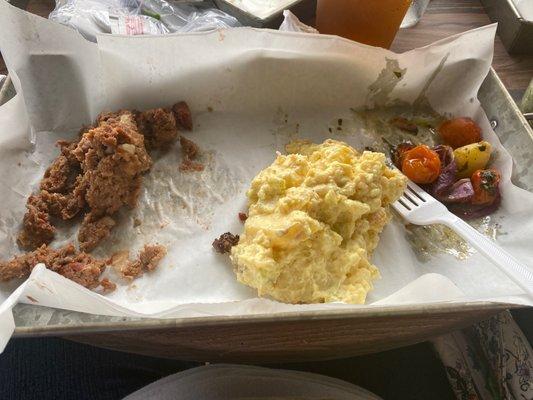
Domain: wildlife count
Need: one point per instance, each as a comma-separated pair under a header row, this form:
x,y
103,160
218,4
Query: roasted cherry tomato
x,y
459,132
399,152
421,164
485,183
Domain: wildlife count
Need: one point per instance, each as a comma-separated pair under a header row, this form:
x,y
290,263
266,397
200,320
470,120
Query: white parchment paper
x,y
250,91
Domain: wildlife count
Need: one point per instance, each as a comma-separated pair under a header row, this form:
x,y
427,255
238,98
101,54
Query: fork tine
x,y
411,190
409,197
402,206
417,190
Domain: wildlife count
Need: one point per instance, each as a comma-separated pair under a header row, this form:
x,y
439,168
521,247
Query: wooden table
x,y
442,18
448,17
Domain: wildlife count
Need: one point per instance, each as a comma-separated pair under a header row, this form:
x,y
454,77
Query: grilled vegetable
x,y
421,164
459,132
460,192
485,183
441,187
472,157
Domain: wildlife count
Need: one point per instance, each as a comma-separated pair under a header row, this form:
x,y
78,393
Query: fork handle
x,y
514,269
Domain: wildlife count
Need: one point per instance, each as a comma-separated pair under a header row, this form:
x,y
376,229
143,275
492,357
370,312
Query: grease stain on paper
x,y
285,129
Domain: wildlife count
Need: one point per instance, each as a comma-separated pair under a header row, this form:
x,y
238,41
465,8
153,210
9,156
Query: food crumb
x,y
225,242
339,121
183,116
330,130
107,285
147,260
189,148
136,222
243,217
188,166
210,109
190,152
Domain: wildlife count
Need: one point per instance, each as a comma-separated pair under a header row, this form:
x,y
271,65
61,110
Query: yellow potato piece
x,y
314,220
472,157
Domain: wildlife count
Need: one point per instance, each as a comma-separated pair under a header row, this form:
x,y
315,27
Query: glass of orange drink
x,y
373,22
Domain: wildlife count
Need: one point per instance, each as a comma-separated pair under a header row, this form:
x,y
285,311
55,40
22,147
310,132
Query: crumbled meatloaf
x,y
158,126
225,242
95,176
99,173
183,115
80,267
189,149
190,152
37,227
188,165
147,260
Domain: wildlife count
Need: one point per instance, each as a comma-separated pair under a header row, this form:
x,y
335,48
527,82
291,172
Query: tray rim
x,y
517,13
518,113
513,29
151,324
144,324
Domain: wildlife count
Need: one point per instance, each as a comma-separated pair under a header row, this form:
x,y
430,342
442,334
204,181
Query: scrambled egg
x,y
314,220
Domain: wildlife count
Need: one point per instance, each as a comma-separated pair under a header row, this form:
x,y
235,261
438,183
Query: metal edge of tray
x,y
214,321
7,91
509,121
512,128
515,32
493,83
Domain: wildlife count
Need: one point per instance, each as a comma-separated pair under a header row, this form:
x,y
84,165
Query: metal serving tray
x,y
515,32
295,336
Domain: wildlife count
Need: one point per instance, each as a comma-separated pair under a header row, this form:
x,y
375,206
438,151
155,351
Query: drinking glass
x,y
374,22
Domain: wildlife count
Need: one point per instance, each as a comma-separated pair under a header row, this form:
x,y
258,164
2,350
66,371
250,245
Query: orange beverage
x,y
373,22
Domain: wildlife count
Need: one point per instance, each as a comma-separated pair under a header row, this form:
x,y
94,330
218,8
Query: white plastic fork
x,y
420,208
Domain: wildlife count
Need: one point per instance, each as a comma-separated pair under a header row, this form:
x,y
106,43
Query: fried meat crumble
x,y
95,176
225,242
98,174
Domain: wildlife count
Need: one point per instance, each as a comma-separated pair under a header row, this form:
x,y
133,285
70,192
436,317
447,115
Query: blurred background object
x,y
515,23
414,13
525,7
371,22
139,17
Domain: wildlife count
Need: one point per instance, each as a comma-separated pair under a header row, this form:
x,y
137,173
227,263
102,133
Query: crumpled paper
x,y
251,91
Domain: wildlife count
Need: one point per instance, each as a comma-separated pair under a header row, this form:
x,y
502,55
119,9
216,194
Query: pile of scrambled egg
x,y
314,220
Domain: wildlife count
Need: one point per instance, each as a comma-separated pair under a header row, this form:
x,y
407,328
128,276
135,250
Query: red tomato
x,y
459,132
485,183
421,164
